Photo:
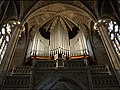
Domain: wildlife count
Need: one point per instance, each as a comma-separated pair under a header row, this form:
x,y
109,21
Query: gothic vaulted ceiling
x,y
39,12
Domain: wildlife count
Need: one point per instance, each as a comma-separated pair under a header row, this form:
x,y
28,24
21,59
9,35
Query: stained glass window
x,y
5,35
114,33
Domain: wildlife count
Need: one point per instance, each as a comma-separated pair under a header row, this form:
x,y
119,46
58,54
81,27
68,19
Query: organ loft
x,y
59,45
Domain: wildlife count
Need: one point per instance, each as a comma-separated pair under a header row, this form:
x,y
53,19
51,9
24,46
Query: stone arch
x,y
45,9
81,7
61,82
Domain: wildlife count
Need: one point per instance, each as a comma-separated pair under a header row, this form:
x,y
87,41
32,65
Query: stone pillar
x,y
109,47
9,52
114,60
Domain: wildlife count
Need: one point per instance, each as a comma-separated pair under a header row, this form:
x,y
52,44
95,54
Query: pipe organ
x,y
59,42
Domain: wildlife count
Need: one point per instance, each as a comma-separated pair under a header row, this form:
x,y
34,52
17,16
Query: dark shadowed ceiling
x,y
39,12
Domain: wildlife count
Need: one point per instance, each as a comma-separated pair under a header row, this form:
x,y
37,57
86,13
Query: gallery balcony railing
x,y
17,81
104,80
75,64
21,70
52,64
99,69
45,64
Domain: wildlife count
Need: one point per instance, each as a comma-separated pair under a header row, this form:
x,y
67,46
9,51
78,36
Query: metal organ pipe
x,y
59,40
34,48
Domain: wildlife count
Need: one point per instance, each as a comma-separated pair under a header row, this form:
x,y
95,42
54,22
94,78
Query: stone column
x,y
109,47
9,52
114,60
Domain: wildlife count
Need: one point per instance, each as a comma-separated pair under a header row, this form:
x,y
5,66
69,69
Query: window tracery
x,y
114,33
5,35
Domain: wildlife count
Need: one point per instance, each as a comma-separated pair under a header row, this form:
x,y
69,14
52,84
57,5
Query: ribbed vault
x,y
71,16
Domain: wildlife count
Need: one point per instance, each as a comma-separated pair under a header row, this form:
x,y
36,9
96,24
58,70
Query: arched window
x,y
5,36
114,33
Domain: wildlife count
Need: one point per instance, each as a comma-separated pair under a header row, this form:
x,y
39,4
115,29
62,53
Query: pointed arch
x,y
68,82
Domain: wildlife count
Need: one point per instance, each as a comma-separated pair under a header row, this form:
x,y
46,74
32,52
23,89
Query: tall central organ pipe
x,y
59,40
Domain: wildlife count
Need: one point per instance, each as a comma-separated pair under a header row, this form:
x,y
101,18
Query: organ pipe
x,y
59,39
